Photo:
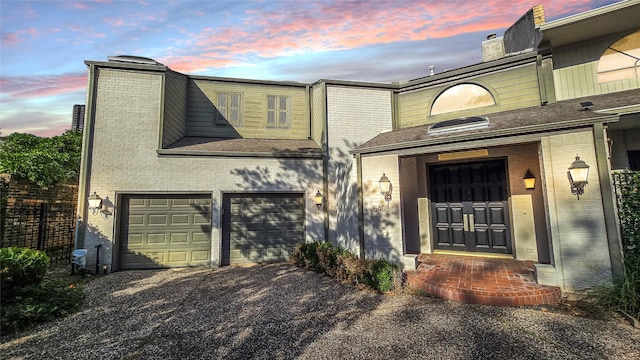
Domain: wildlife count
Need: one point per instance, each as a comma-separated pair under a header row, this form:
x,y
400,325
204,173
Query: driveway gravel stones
x,y
282,312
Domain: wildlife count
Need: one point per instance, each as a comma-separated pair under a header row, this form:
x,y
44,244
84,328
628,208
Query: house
x,y
189,170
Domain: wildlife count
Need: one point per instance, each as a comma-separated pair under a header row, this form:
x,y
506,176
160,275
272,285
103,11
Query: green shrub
x,y
343,265
38,303
624,294
383,274
20,267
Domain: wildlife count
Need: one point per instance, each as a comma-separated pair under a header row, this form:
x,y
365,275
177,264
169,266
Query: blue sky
x,y
44,43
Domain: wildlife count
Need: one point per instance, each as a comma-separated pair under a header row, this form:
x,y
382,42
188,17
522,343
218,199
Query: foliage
x,y
625,293
44,161
20,267
38,303
343,265
629,212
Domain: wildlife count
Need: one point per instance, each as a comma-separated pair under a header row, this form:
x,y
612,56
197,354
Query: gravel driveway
x,y
282,312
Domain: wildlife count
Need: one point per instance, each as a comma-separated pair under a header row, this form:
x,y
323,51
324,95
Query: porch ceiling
x,y
565,114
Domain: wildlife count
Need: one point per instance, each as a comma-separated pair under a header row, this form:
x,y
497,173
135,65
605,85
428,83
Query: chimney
x,y
492,48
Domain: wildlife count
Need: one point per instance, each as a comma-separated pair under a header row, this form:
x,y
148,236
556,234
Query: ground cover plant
x,y
337,262
33,293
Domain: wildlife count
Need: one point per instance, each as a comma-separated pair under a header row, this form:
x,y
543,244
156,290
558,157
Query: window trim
x,y
278,112
223,118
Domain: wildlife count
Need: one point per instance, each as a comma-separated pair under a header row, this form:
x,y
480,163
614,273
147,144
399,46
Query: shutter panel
x,y
271,110
234,108
282,121
222,108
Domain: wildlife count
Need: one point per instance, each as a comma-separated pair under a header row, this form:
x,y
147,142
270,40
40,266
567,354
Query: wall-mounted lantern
x,y
578,174
529,180
96,205
319,199
385,190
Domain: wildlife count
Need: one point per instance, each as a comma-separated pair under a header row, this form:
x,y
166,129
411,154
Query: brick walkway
x,y
481,280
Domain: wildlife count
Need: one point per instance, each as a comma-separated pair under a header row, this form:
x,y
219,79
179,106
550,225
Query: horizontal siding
x,y
202,97
513,88
175,108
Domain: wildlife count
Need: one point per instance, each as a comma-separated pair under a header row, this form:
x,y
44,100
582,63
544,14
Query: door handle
x,y
465,222
472,224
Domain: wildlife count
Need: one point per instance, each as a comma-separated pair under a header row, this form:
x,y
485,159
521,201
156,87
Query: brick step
x,y
478,280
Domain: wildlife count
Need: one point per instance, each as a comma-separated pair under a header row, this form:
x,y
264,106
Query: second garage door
x,y
165,231
261,227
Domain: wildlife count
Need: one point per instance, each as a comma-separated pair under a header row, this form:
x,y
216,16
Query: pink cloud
x,y
114,22
80,5
24,87
191,64
321,26
10,39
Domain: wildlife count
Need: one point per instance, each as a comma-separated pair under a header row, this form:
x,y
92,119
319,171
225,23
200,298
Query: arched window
x,y
621,60
462,97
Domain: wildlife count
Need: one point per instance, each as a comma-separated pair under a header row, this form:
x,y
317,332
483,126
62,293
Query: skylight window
x,y
459,124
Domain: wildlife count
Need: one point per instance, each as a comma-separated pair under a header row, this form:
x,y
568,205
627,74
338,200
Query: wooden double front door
x,y
469,207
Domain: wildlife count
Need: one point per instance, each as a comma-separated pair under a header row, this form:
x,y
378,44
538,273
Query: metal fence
x,y
40,226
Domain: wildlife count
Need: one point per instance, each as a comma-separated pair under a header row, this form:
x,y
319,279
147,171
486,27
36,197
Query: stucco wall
x,y
124,160
354,116
578,233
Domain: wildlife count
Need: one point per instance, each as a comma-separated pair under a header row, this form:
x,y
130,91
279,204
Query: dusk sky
x,y
44,43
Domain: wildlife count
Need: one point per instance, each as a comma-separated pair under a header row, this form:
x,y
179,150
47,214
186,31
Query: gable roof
x,y
565,114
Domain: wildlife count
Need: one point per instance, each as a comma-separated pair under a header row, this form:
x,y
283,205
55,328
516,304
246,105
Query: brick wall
x,y
354,116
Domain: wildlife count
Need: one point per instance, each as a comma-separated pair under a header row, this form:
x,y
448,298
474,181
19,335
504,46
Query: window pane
x,y
235,101
283,103
619,61
234,116
271,102
283,119
462,97
271,118
222,100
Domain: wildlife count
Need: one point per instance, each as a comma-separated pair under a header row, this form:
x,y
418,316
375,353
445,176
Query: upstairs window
x,y
229,108
278,112
621,60
462,97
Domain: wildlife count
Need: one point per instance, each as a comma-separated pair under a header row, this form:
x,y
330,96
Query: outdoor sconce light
x,y
529,180
318,200
578,173
96,205
385,189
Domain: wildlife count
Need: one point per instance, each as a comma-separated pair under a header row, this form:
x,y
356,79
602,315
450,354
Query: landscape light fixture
x,y
529,180
578,174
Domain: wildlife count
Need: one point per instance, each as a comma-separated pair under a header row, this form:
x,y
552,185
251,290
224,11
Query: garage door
x,y
261,227
165,231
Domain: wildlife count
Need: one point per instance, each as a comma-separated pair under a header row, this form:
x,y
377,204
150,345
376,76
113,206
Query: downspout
x,y
85,160
325,165
360,205
542,86
608,202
